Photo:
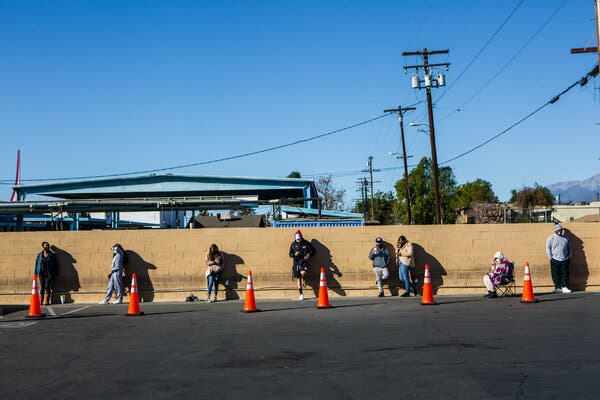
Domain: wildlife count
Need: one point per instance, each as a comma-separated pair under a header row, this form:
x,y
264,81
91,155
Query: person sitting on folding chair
x,y
500,267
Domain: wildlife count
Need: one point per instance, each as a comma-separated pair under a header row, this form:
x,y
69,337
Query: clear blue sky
x,y
100,87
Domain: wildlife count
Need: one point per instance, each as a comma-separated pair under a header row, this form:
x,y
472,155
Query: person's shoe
x,y
557,290
381,294
214,300
415,291
566,290
301,297
491,295
103,302
208,300
118,302
405,294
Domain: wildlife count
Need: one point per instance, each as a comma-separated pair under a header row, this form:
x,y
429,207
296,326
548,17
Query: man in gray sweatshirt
x,y
558,249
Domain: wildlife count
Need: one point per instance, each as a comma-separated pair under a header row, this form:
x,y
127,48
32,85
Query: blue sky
x,y
101,87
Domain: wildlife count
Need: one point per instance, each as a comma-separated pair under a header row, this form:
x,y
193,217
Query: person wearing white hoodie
x,y
115,283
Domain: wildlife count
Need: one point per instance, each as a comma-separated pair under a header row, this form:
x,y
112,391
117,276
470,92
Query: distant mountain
x,y
577,191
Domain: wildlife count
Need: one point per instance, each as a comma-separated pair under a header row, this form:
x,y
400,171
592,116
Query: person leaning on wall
x,y
301,251
558,250
380,257
214,271
115,277
46,268
404,256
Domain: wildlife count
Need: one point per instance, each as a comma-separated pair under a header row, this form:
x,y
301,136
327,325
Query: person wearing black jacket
x,y
301,251
46,268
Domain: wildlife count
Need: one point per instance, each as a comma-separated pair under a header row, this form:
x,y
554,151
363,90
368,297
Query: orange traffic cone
x,y
35,310
427,296
134,300
323,296
527,296
250,303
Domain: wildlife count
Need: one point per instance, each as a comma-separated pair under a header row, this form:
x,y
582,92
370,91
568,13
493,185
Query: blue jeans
x,y
403,274
213,279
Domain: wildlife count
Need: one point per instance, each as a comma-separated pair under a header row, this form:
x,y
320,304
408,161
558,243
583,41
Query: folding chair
x,y
508,286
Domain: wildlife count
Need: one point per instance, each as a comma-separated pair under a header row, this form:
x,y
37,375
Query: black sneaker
x,y
491,295
381,294
405,294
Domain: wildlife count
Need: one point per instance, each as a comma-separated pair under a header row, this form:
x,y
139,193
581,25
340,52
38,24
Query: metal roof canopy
x,y
170,186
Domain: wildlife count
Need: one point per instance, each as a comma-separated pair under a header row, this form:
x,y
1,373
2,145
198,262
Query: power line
x,y
510,60
346,128
480,51
582,81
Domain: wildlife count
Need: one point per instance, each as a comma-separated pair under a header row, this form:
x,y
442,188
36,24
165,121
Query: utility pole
x,y
597,48
429,83
400,112
370,164
364,184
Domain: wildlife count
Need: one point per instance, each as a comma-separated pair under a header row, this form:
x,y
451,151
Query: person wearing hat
x,y
380,257
558,250
500,267
301,251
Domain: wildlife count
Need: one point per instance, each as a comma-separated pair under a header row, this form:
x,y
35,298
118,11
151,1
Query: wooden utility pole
x,y
596,49
370,163
400,112
429,83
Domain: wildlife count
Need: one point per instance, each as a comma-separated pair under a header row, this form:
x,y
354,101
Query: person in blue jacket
x,y
115,283
46,269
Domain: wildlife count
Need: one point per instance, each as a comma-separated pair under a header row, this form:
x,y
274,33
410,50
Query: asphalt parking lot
x,y
364,348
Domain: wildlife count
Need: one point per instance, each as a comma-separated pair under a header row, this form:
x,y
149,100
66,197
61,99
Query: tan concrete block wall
x,y
169,263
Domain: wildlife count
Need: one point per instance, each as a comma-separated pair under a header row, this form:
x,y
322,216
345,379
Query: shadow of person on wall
x,y
231,278
323,259
436,269
67,280
578,267
137,265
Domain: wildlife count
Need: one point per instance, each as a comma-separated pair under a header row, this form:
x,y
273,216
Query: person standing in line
x,y
500,267
46,268
380,257
404,256
115,283
214,271
301,251
558,250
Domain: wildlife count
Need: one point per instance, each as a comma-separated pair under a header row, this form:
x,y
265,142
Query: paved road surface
x,y
365,348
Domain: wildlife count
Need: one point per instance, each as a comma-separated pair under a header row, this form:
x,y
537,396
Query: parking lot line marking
x,y
75,310
17,324
50,310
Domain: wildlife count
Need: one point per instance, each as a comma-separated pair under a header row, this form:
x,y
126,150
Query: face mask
x,y
115,250
298,238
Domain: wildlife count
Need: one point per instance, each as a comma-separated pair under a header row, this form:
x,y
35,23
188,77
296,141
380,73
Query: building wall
x,y
567,212
169,263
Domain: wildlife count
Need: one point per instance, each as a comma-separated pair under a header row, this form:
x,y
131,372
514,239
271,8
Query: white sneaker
x,y
301,297
566,290
557,291
103,302
118,302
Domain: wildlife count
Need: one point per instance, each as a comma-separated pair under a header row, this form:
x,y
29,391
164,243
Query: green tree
x,y
478,191
530,197
294,174
386,208
422,197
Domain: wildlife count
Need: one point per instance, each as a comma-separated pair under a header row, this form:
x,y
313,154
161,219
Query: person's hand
x,y
306,257
297,253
